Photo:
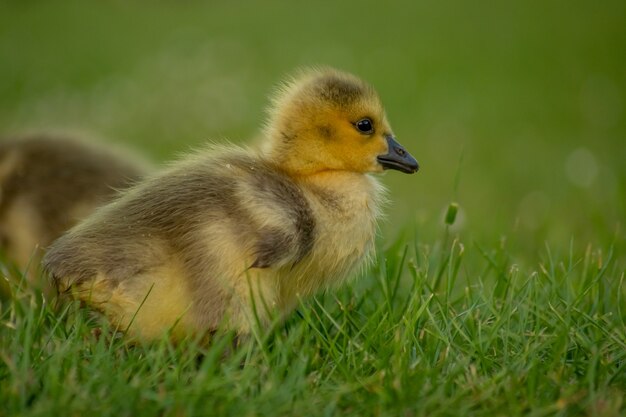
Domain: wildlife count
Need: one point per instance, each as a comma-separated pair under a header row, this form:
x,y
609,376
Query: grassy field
x,y
445,330
516,111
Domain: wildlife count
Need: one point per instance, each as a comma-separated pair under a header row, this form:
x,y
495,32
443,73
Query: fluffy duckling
x,y
50,181
231,235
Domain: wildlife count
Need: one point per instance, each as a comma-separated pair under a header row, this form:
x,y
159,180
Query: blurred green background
x,y
523,101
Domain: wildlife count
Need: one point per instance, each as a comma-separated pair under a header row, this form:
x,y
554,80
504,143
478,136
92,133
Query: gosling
x,y
232,236
48,182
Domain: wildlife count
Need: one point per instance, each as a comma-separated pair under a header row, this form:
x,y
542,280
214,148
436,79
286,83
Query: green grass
x,y
517,110
450,329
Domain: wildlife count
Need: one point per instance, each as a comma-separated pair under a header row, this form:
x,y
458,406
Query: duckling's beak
x,y
398,158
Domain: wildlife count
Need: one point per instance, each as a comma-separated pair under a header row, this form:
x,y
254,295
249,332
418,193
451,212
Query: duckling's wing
x,y
283,220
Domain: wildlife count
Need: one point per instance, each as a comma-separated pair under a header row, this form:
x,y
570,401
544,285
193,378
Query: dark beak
x,y
398,158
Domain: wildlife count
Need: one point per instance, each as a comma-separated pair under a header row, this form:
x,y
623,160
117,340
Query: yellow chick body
x,y
232,234
48,182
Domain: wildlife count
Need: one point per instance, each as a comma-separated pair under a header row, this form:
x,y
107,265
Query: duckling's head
x,y
327,120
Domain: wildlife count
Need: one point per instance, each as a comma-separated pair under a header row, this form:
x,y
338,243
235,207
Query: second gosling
x,y
50,181
232,233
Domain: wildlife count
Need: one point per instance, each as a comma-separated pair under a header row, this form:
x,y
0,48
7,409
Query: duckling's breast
x,y
346,208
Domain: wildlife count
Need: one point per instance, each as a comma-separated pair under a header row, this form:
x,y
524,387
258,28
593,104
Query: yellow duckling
x,y
50,181
230,234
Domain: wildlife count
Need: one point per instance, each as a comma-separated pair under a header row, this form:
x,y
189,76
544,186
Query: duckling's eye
x,y
364,126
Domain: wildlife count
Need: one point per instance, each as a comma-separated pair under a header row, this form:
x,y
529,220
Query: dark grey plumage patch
x,y
339,90
290,198
325,131
271,246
